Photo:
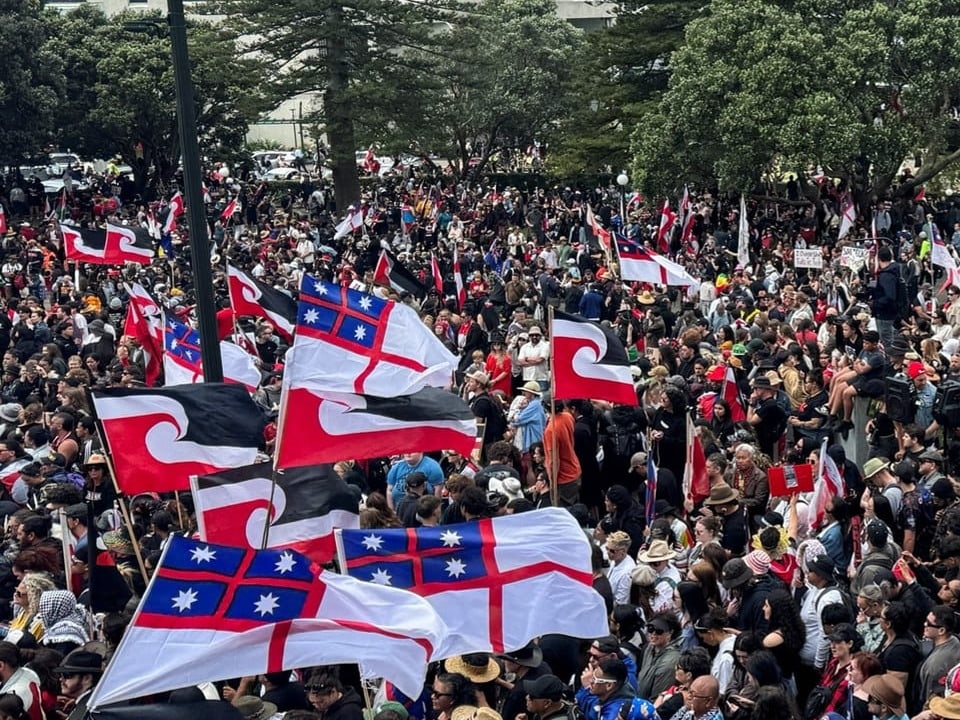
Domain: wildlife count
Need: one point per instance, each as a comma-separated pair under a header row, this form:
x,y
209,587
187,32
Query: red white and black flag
x,y
163,436
249,296
145,323
174,210
392,273
589,362
320,427
116,245
304,508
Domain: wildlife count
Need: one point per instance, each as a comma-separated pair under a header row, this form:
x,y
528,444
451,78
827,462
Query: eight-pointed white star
x,y
360,333
174,344
320,288
372,542
203,554
184,599
365,302
451,538
286,563
456,567
266,604
310,316
381,577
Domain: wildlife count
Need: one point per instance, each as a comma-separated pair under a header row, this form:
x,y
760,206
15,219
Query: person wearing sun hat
x,y
479,668
659,556
876,472
885,697
724,502
525,664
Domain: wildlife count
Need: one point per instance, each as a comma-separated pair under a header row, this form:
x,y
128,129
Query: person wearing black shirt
x,y
766,415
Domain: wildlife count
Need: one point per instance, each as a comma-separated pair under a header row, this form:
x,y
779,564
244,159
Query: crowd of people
x,y
743,603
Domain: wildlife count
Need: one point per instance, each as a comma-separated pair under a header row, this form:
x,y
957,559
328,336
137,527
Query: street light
x,y
623,181
192,185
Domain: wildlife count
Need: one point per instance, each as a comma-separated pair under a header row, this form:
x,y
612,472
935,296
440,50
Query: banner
x,y
853,257
811,258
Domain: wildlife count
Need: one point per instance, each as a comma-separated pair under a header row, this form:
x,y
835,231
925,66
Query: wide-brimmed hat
x,y
947,708
80,661
646,298
722,495
528,656
658,551
480,377
478,667
10,412
887,689
253,708
96,460
532,386
735,573
874,465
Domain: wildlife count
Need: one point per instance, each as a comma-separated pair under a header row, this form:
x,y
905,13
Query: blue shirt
x,y
397,477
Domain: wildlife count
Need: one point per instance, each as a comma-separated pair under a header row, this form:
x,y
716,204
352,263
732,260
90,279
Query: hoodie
x,y
348,707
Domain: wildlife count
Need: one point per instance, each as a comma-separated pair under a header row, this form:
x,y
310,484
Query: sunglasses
x,y
434,693
604,681
655,631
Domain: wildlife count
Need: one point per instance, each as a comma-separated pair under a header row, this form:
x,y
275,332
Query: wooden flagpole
x,y
553,470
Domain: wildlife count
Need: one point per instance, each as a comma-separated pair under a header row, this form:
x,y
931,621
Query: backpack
x,y
845,599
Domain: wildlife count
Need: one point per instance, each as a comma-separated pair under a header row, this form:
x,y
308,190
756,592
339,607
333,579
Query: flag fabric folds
x,y
3,221
696,482
491,581
392,273
848,216
731,393
304,507
589,362
250,297
603,236
650,496
458,280
743,234
637,263
353,221
144,322
353,342
215,611
829,483
183,359
437,274
332,426
667,219
115,245
232,208
174,210
165,435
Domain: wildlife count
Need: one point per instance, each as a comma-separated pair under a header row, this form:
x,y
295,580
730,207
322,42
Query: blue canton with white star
x,y
449,554
322,305
198,579
182,341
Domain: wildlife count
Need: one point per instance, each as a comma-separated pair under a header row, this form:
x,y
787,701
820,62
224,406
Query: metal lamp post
x,y
193,187
623,180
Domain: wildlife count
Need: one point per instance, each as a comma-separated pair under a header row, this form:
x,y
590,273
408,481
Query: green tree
x,y
31,82
620,74
852,86
122,100
355,55
501,81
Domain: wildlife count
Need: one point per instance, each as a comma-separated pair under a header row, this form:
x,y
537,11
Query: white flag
x,y
743,241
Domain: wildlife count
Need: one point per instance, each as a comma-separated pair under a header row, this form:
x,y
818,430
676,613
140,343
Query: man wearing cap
x,y
821,590
534,358
885,694
876,472
767,416
79,674
931,462
407,507
22,681
713,630
410,463
544,698
100,490
526,664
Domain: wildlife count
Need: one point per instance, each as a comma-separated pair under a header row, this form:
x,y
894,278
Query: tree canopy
x,y
852,86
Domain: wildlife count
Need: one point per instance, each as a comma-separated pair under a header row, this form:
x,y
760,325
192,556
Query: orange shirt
x,y
561,424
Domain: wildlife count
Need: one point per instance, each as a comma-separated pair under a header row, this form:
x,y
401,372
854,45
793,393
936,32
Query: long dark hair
x,y
785,618
462,691
692,599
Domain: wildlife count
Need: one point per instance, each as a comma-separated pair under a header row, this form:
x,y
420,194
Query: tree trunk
x,y
338,111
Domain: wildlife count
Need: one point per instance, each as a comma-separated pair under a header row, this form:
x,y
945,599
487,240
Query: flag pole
x,y
108,455
554,470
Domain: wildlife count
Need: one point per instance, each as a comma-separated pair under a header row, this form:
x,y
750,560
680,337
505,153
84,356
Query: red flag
x,y
789,479
3,221
829,484
589,361
437,276
458,279
165,435
921,194
731,393
320,427
145,323
603,236
305,505
173,212
696,483
667,218
232,208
